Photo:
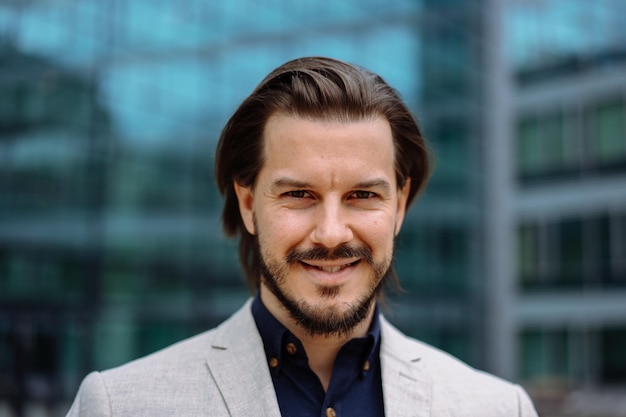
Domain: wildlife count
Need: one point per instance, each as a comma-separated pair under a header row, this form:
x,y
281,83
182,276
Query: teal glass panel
x,y
528,253
530,147
609,141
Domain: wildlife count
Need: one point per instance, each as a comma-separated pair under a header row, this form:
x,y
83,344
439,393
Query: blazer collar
x,y
407,390
237,345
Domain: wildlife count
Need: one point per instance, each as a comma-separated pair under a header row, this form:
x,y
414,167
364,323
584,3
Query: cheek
x,y
377,231
286,228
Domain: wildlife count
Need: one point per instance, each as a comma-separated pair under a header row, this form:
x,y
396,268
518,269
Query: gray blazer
x,y
224,372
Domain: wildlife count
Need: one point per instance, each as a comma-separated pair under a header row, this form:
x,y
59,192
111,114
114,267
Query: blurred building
x,y
110,239
571,217
570,204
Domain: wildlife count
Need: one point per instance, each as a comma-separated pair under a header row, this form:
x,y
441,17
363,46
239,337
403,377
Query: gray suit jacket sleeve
x,y
92,398
224,372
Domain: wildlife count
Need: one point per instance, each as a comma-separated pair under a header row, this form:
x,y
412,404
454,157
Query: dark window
x,y
571,252
613,345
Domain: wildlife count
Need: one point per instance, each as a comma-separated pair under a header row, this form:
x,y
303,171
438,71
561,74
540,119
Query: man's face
x,y
325,208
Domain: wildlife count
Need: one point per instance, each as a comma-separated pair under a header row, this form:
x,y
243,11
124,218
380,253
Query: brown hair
x,y
318,88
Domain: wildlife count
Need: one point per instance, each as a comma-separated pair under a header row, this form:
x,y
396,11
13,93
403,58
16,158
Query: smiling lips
x,y
331,268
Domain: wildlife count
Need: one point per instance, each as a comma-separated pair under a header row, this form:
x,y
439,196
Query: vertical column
x,y
499,177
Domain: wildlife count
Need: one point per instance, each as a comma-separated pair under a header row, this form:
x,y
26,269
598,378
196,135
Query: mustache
x,y
323,254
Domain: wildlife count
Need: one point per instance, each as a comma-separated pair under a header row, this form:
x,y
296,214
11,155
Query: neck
x,y
321,350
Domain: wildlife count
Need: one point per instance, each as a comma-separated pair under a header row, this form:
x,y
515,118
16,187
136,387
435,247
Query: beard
x,y
323,319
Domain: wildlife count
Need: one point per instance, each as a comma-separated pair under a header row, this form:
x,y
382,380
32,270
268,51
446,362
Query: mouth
x,y
331,268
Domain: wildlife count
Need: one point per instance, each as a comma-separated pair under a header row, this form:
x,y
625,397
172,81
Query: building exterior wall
x,y
571,212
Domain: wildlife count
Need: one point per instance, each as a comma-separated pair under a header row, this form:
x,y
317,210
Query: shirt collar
x,y
274,335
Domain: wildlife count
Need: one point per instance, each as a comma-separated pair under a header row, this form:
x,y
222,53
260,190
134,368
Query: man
x,y
318,167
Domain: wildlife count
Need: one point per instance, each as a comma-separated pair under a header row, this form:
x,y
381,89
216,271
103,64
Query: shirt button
x,y
273,363
330,412
292,348
366,366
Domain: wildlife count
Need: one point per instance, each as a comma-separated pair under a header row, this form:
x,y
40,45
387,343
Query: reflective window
x,y
561,357
586,252
609,144
546,356
531,152
440,260
543,145
528,252
559,145
570,251
549,33
452,144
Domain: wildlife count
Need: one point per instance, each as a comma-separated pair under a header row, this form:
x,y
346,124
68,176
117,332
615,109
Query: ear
x,y
245,196
403,197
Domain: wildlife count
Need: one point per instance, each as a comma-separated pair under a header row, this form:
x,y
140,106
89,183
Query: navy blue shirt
x,y
355,387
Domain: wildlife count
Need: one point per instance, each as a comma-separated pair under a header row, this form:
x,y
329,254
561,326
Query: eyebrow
x,y
286,182
375,183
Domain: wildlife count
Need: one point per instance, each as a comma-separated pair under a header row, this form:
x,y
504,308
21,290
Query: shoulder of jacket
x,y
457,388
439,364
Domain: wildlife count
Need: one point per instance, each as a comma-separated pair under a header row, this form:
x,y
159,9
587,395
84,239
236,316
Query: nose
x,y
331,227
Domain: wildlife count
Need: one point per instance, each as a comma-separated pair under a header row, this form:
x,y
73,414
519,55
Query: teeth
x,y
330,268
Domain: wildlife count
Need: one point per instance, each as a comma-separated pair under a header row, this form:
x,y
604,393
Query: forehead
x,y
320,147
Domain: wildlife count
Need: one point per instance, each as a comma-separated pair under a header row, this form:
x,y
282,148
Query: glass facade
x,y
110,237
551,38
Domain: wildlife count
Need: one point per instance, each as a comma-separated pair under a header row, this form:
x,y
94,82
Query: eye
x,y
363,195
297,194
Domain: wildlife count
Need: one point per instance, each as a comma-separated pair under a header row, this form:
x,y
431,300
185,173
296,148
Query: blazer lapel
x,y
237,362
407,391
